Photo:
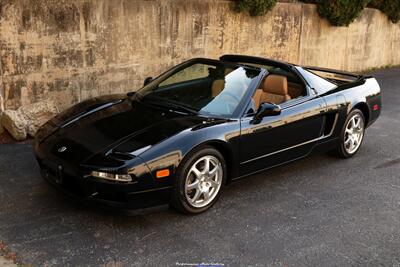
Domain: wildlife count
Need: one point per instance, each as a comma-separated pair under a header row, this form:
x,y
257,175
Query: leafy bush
x,y
254,7
337,12
345,11
390,7
340,12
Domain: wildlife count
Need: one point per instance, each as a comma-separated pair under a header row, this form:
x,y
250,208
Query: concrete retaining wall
x,y
72,50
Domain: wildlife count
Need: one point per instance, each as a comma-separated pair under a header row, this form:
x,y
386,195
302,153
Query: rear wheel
x,y
352,135
199,181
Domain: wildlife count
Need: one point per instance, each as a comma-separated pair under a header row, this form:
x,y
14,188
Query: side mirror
x,y
266,109
147,81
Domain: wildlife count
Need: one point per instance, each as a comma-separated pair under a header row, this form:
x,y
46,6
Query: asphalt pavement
x,y
319,211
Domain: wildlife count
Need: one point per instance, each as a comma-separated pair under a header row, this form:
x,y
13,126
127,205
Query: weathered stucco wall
x,y
371,41
71,50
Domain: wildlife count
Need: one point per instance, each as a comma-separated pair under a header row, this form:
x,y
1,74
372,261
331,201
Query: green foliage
x,y
337,12
344,12
390,7
254,7
340,12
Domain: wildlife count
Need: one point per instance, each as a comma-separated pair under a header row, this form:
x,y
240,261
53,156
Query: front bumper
x,y
118,195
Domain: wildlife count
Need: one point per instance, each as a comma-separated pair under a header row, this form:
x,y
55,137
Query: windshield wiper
x,y
171,105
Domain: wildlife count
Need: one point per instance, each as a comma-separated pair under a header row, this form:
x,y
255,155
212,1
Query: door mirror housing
x,y
147,81
266,109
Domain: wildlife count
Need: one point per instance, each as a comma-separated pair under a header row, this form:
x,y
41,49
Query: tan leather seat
x,y
219,85
274,89
295,90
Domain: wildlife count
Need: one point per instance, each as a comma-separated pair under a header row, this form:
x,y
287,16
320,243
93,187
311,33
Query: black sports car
x,y
203,123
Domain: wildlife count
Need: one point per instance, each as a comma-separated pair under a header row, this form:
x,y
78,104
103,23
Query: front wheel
x,y
351,135
199,181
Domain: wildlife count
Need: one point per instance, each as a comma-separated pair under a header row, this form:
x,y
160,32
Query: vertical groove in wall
x,y
160,16
345,63
299,59
1,86
83,45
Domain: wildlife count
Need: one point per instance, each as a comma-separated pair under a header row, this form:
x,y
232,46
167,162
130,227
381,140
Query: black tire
x,y
341,151
178,196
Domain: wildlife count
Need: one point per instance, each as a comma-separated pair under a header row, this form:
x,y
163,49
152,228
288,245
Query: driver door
x,y
281,138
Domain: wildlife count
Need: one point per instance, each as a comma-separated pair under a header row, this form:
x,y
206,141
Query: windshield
x,y
213,88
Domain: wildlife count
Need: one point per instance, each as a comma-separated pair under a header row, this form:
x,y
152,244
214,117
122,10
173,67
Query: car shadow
x,y
237,193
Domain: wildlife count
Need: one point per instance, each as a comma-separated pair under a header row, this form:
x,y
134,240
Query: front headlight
x,y
112,176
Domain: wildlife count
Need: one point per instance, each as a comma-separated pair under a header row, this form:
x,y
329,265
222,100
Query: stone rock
x,y
1,104
15,123
27,119
1,126
1,113
5,262
38,114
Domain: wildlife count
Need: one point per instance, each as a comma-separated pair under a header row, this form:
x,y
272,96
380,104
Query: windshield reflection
x,y
212,88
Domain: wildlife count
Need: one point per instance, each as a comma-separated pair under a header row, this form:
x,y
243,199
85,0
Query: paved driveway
x,y
317,211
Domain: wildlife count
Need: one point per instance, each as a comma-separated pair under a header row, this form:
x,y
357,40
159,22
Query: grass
x,y
371,70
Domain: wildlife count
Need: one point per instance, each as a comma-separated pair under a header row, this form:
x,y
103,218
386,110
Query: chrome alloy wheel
x,y
203,181
353,134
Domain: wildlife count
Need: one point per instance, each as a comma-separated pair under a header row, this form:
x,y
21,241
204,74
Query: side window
x,y
196,71
296,87
318,83
251,108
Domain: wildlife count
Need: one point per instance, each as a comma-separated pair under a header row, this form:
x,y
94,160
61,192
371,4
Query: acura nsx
x,y
200,125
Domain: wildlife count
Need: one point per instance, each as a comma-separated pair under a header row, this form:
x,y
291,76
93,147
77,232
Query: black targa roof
x,y
255,60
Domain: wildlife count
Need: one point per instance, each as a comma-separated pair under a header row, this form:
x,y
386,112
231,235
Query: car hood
x,y
111,128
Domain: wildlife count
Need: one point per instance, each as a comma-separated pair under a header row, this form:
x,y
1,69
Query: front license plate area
x,y
59,176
